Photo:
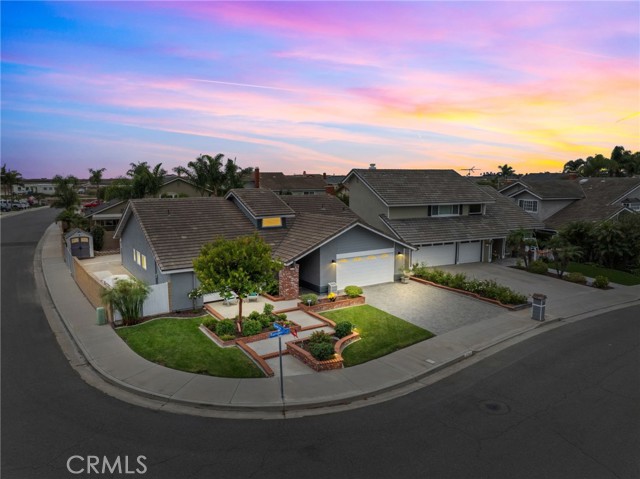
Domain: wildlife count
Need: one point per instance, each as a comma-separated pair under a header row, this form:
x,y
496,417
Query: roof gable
x,y
260,203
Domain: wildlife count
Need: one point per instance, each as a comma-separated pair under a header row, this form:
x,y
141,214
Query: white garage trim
x,y
435,255
363,268
470,252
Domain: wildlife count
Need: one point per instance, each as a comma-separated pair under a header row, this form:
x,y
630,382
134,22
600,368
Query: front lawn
x,y
381,333
615,276
179,344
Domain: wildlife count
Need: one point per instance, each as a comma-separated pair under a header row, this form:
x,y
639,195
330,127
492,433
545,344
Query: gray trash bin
x,y
333,287
538,307
101,315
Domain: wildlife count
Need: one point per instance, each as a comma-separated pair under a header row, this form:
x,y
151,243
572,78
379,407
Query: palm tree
x,y
209,173
144,180
96,179
10,178
563,253
506,171
127,297
573,166
66,195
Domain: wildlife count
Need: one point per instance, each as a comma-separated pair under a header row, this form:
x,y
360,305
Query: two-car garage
x,y
364,268
448,253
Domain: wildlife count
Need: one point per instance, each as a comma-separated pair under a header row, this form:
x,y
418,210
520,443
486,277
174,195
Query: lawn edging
x,y
512,307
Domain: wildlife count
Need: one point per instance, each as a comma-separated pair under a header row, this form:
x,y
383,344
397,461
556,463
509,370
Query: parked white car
x,y
20,205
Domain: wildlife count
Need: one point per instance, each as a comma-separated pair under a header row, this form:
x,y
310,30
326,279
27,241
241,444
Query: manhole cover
x,y
494,407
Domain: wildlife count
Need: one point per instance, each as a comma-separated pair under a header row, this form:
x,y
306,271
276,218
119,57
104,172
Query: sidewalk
x,y
119,365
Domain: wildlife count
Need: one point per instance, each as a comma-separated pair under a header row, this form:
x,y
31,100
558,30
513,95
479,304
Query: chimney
x,y
304,173
256,177
324,176
372,166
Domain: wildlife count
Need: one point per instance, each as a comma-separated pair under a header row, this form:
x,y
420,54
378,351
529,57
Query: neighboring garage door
x,y
436,255
470,252
364,268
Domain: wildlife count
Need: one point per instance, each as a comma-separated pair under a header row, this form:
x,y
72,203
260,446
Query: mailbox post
x,y
538,307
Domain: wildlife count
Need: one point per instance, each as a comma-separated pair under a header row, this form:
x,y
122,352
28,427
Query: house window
x,y
135,257
475,209
143,263
272,222
530,206
445,210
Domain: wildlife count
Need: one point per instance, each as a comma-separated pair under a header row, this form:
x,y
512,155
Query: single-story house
x,y
318,239
447,218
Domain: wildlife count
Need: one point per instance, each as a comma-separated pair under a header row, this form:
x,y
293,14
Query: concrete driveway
x,y
434,309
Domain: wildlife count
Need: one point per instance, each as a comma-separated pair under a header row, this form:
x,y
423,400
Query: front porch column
x,y
289,281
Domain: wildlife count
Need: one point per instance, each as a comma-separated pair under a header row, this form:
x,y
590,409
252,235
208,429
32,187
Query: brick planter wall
x,y
244,339
336,363
289,281
329,305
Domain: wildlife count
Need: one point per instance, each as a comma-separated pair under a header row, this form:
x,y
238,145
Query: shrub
x,y
251,327
309,299
575,277
98,237
267,309
458,281
254,315
281,317
353,291
343,328
320,337
538,267
226,327
321,351
601,282
227,337
265,320
519,264
210,323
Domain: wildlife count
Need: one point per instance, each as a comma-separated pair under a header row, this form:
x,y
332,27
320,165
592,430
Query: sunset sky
x,y
321,87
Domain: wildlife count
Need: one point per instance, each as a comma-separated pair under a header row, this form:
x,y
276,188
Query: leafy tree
x,y
127,297
612,246
96,178
243,265
210,173
65,191
98,237
10,178
582,234
573,166
563,253
120,188
71,219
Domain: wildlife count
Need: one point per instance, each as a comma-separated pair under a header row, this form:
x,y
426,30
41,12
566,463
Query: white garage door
x,y
470,252
364,268
436,255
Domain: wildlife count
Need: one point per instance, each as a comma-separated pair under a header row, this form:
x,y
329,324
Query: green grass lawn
x,y
178,344
381,333
615,276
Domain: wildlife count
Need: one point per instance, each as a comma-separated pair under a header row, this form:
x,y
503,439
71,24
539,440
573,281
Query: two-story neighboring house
x,y
281,184
543,195
561,199
447,217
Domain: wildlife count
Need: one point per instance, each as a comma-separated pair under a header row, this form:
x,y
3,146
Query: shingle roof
x,y
421,187
501,217
277,181
547,188
103,207
598,202
261,203
177,228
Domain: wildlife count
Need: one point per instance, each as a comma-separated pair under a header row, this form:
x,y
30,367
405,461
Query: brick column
x,y
289,281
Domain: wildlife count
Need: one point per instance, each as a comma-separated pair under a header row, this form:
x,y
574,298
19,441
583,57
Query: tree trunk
x,y
239,318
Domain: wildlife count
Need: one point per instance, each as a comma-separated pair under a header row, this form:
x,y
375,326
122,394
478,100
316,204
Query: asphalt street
x,y
562,404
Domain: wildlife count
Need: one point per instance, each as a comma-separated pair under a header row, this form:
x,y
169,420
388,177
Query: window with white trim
x,y
530,206
445,210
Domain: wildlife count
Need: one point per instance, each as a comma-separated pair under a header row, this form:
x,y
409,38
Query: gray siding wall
x,y
403,212
181,285
132,237
310,271
365,204
551,207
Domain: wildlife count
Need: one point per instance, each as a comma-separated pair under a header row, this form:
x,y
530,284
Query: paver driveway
x,y
429,307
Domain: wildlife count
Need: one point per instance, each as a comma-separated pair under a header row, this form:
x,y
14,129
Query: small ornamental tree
x,y
242,265
127,296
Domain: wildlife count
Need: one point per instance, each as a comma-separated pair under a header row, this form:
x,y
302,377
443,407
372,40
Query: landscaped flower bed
x,y
486,290
256,327
303,349
352,297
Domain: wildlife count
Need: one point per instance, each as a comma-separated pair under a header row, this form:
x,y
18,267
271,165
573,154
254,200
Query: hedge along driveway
x,y
431,308
179,344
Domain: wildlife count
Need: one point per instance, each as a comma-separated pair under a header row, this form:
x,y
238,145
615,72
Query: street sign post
x,y
279,332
